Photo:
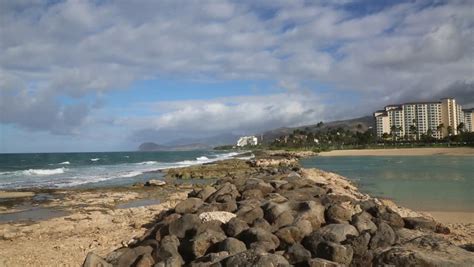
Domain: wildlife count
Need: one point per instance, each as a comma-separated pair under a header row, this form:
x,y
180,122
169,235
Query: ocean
x,y
430,183
61,170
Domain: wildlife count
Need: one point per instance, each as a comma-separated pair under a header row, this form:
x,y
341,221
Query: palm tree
x,y
460,127
393,130
439,128
450,130
414,130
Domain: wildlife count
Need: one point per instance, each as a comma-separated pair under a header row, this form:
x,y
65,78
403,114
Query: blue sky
x,y
108,75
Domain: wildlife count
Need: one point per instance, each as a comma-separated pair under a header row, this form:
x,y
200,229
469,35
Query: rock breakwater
x,y
281,215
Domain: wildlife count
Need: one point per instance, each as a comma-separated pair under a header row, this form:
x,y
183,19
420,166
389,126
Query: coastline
x,y
455,151
95,224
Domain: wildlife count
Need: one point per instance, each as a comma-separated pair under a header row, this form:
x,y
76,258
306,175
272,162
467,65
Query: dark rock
x,y
169,249
145,260
249,213
311,242
383,237
205,192
311,211
335,252
392,219
251,257
252,194
185,226
360,244
130,256
93,260
258,184
304,226
113,256
297,254
303,194
235,226
200,244
338,232
318,262
211,259
441,229
363,222
419,223
272,210
262,223
259,238
278,183
189,205
226,189
289,235
337,214
232,245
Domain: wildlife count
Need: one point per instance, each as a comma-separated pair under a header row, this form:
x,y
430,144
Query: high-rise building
x,y
412,120
469,119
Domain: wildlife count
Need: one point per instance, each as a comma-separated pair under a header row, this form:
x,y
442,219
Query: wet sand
x,y
452,216
456,151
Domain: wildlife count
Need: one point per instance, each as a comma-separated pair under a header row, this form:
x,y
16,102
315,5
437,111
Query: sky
x,y
106,75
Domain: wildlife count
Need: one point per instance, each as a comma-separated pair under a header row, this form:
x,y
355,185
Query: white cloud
x,y
77,48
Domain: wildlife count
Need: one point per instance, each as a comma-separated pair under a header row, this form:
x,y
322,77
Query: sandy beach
x,y
457,151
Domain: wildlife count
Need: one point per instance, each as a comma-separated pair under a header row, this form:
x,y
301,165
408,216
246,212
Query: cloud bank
x,y
84,50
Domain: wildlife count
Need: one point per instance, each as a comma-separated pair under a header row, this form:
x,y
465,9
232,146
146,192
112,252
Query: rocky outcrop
x,y
282,216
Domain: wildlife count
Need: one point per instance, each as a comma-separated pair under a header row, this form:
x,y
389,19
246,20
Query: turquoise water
x,y
444,183
56,170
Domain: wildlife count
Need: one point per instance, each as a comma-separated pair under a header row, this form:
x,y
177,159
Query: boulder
x,y
297,254
337,214
205,192
131,255
189,205
226,189
383,237
260,185
419,223
202,242
338,232
185,226
289,235
363,222
155,182
392,219
262,223
335,252
304,226
252,194
235,226
211,259
93,260
169,249
249,213
318,262
311,211
251,258
232,246
221,216
258,238
145,260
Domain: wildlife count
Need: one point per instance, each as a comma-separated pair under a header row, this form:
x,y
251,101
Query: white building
x,y
411,120
247,141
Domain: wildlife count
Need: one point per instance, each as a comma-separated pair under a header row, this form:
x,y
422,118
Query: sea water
x,y
59,170
431,183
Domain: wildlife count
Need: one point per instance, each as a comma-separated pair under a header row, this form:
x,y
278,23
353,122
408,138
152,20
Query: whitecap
x,y
147,163
64,163
95,159
203,158
44,171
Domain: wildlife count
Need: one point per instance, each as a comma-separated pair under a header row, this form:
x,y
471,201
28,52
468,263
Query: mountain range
x,y
361,124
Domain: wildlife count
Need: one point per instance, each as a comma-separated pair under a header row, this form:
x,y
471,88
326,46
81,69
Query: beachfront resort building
x,y
247,141
412,120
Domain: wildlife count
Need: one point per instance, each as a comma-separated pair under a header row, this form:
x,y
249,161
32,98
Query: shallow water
x,y
33,214
138,203
438,183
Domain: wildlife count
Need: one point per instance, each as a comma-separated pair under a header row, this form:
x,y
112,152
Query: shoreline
x,y
96,224
429,151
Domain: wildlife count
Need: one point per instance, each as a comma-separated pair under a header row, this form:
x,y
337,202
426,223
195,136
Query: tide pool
x,y
431,183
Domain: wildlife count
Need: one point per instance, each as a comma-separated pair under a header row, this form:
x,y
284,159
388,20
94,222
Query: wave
x,y
64,163
43,171
203,158
151,162
95,159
